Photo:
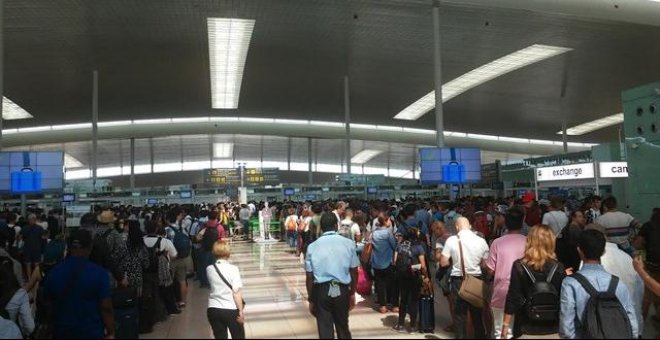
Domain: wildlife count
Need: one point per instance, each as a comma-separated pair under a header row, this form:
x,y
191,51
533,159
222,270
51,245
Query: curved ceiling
x,y
153,62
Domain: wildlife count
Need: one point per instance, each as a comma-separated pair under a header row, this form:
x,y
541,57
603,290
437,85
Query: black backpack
x,y
210,237
404,260
101,253
604,316
154,257
542,298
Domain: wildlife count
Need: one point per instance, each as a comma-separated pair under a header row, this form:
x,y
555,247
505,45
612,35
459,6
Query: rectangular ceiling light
x,y
229,40
11,111
71,162
223,150
480,75
594,125
364,156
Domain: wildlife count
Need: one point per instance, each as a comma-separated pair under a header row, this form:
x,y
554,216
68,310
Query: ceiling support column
x,y
414,162
310,173
262,152
564,136
437,77
347,121
2,60
132,152
210,151
95,127
288,154
563,108
151,153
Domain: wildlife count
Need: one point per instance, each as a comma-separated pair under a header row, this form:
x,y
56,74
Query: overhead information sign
x,y
613,169
252,176
565,172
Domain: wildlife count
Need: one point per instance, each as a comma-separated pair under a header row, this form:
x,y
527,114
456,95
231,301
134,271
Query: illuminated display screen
x,y
450,165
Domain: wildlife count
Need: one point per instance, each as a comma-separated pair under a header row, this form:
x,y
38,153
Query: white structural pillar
x,y
437,77
310,173
95,127
347,121
132,178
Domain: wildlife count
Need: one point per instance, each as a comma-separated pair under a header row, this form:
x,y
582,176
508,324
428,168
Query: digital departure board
x,y
252,176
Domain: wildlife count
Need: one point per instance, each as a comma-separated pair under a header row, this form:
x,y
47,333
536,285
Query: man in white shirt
x,y
168,247
475,251
617,262
618,225
556,218
340,209
348,228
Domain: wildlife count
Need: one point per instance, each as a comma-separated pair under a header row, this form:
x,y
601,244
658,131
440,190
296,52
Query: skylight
x,y
11,111
594,125
223,150
480,75
71,162
229,41
364,156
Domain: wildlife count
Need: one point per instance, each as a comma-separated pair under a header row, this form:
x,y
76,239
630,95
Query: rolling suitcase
x,y
126,323
426,314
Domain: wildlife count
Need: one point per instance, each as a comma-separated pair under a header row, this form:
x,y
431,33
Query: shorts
x,y
181,268
31,256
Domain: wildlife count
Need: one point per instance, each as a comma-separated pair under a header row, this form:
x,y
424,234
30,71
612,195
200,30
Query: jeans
x,y
461,309
206,259
386,289
409,300
292,238
223,319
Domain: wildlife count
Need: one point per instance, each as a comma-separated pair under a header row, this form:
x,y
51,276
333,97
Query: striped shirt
x,y
619,226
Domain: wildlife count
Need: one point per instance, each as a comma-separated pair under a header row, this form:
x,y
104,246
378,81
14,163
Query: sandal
x,y
383,310
395,309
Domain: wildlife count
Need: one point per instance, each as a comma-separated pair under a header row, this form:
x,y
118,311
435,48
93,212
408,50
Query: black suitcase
x,y
126,323
426,314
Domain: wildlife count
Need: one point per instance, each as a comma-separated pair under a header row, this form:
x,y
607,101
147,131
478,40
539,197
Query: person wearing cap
x,y
81,292
532,211
116,251
331,266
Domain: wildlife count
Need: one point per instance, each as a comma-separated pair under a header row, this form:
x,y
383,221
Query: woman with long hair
x,y
567,240
540,262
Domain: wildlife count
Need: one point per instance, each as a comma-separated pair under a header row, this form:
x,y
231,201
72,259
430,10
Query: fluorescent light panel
x,y
223,150
594,125
364,156
11,111
480,75
229,41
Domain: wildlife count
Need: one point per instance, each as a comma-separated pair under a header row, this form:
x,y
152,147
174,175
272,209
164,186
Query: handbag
x,y
472,288
365,255
222,277
124,297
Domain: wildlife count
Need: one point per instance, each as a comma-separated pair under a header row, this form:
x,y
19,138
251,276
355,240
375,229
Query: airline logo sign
x,y
565,172
613,169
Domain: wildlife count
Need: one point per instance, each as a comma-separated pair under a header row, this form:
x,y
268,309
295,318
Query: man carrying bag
x,y
468,252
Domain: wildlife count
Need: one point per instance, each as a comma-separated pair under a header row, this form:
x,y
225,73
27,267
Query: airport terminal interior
x,y
312,168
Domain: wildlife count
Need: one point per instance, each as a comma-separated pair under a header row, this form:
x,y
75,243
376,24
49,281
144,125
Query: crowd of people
x,y
506,267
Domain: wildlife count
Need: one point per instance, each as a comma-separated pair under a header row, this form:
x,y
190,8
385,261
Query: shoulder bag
x,y
365,255
222,277
472,288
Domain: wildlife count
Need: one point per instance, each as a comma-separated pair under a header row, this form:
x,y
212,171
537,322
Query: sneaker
x,y
413,330
399,328
182,305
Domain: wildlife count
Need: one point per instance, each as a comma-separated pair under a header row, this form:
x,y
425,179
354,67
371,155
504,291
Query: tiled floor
x,y
275,294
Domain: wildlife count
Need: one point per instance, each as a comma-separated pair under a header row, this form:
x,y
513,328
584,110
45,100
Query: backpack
x,y
209,237
404,260
181,243
542,298
345,230
101,253
604,316
154,254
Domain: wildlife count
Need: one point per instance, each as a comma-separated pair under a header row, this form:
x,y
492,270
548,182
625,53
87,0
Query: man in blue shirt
x,y
384,246
331,265
411,221
574,297
81,294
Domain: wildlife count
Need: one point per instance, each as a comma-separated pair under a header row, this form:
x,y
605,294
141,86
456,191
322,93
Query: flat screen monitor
x,y
68,197
152,201
450,165
372,190
185,194
289,192
31,172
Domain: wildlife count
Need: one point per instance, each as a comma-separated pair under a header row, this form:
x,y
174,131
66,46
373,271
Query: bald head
x,y
463,223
